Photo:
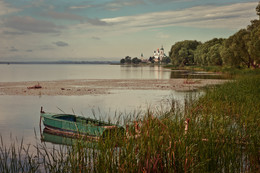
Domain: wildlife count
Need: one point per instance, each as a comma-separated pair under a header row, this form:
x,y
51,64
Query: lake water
x,y
19,115
9,73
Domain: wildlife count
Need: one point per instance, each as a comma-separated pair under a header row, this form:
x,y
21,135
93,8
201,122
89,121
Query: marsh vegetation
x,y
222,136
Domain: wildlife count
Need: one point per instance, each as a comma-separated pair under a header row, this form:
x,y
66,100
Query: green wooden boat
x,y
72,125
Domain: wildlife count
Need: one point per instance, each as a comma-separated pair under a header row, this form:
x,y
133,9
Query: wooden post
x,y
42,110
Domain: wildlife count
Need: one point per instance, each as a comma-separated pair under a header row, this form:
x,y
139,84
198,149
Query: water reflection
x,y
159,72
50,137
46,136
14,73
144,72
196,75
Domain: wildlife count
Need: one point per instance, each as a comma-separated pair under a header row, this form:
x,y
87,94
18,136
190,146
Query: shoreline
x,y
100,86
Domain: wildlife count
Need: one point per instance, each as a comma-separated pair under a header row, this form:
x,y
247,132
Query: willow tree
x,y
182,53
238,44
243,48
258,9
208,53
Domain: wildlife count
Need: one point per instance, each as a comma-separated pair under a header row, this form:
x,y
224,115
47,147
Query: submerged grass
x,y
217,133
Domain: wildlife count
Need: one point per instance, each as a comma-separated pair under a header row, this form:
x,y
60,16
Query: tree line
x,y
240,49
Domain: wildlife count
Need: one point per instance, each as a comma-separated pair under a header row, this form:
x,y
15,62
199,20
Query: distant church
x,y
159,54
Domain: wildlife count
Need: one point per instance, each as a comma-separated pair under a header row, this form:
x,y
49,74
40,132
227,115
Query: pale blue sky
x,y
47,30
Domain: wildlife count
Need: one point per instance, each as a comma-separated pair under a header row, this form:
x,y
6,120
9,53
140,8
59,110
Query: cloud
x,y
166,1
30,24
61,43
6,9
39,5
63,15
46,47
232,16
13,33
162,35
29,50
118,4
69,16
13,49
95,38
97,22
80,7
112,5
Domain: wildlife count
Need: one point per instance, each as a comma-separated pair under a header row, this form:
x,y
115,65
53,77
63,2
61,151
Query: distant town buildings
x,y
159,54
144,60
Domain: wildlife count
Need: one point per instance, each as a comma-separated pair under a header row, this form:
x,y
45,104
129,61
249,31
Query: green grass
x,y
223,136
229,115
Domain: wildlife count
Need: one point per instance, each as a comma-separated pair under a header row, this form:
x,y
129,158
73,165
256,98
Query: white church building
x,y
159,54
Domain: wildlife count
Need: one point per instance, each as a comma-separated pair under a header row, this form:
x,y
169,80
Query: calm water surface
x,y
12,73
19,115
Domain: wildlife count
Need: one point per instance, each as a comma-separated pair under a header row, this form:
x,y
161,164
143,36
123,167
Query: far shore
x,y
100,86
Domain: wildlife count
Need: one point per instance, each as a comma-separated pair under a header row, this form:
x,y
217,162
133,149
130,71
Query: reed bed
x,y
219,132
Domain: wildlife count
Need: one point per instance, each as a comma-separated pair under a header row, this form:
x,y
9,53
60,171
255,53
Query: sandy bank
x,y
100,86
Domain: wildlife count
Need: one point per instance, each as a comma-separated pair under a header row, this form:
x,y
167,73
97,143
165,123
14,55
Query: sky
x,y
51,30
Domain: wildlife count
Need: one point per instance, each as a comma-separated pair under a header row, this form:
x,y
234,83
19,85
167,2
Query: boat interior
x,y
82,120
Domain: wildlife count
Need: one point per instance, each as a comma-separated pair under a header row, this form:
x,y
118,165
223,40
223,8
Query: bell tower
x,y
161,52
